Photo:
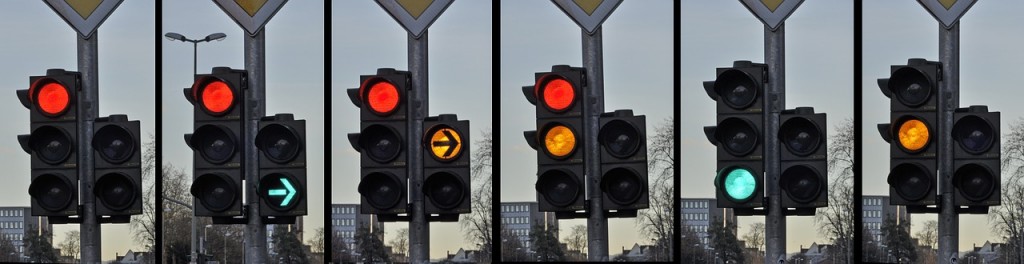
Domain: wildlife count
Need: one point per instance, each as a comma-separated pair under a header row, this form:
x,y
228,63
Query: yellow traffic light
x,y
913,135
559,141
445,144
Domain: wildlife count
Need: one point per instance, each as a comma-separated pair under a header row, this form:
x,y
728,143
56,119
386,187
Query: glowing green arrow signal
x,y
288,192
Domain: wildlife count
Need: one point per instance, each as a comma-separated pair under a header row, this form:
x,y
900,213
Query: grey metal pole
x,y
88,65
775,220
419,228
949,99
597,223
195,219
255,65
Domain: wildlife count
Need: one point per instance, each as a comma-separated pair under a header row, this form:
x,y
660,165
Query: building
x,y
133,257
816,253
876,209
989,253
700,213
346,220
519,218
17,222
463,256
295,229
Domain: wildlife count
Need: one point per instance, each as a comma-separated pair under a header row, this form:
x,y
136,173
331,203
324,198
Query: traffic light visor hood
x,y
279,143
975,182
214,95
620,138
215,191
51,97
114,143
738,183
381,190
381,96
381,143
800,136
737,89
116,191
622,185
445,190
51,144
974,134
556,93
801,183
911,181
910,86
739,136
52,192
215,143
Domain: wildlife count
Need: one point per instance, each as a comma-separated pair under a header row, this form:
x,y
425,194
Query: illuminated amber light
x,y
559,141
913,135
445,144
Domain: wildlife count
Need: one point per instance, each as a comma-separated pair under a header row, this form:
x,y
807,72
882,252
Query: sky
x,y
36,39
898,30
364,38
295,82
819,73
638,50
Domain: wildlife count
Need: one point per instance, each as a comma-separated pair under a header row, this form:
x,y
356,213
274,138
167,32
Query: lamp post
x,y
195,44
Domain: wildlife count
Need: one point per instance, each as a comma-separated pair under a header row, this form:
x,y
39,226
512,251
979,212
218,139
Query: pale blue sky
x,y
363,38
295,80
36,39
819,73
638,74
989,49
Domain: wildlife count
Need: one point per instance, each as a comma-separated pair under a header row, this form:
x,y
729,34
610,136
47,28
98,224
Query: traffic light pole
x,y
593,106
419,228
775,220
88,65
949,99
255,65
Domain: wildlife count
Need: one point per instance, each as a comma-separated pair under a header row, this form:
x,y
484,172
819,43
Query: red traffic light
x,y
217,97
382,97
556,93
51,97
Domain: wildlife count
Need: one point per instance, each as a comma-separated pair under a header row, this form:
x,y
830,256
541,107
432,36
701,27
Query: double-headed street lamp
x,y
195,43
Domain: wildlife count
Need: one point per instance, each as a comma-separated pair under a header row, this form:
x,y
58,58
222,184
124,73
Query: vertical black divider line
x,y
495,135
858,187
328,109
158,135
677,254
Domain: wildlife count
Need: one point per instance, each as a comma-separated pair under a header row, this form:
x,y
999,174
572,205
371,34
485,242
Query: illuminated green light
x,y
288,192
740,184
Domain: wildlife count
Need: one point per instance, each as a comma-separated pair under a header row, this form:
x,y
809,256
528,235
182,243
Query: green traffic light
x,y
740,184
288,192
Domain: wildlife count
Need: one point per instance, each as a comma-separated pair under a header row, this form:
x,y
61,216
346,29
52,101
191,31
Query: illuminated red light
x,y
382,98
558,94
53,98
217,97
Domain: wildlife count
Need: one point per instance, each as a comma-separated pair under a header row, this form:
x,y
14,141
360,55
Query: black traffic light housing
x,y
913,93
739,93
558,97
382,141
281,141
218,141
623,141
803,135
446,166
118,166
976,156
53,143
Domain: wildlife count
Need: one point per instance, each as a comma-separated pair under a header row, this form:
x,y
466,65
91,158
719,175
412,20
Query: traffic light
x,y
976,163
559,138
53,143
804,178
281,141
623,140
118,167
218,167
382,141
739,95
913,92
446,165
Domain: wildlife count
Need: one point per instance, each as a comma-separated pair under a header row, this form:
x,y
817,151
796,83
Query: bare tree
x,y
928,236
143,226
176,218
70,247
656,222
477,224
1008,218
512,250
316,244
577,240
400,243
836,221
755,236
8,253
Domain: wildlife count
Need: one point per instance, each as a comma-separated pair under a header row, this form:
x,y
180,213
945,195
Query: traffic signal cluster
x,y
54,146
739,136
383,143
561,143
914,140
219,150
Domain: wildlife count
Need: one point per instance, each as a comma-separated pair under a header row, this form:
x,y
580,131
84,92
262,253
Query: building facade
x,y
17,222
876,209
519,218
346,220
698,214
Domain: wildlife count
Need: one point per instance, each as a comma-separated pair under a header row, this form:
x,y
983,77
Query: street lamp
x,y
195,43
